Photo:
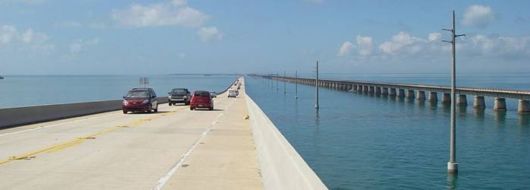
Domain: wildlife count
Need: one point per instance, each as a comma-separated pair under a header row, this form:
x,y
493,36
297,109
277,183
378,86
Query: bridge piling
x,y
462,100
385,91
524,106
499,104
446,98
420,95
410,94
378,91
392,92
479,103
433,97
401,93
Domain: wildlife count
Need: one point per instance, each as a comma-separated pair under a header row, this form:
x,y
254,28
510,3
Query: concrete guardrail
x,y
281,166
12,117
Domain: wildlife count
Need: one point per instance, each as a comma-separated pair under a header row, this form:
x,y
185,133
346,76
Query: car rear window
x,y
202,93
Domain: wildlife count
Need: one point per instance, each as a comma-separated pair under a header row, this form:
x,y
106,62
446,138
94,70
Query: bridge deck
x,y
173,149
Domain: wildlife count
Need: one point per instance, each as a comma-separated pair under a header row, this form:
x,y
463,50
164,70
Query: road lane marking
x,y
76,141
164,179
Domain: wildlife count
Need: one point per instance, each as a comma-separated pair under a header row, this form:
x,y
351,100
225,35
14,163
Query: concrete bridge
x,y
235,146
419,92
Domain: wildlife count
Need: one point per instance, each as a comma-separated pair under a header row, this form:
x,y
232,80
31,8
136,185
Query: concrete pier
x,y
461,100
523,106
420,95
410,94
446,98
385,91
371,89
479,103
393,92
401,93
433,97
365,89
377,91
499,104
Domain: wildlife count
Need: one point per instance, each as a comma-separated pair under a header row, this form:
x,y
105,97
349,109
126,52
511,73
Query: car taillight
x,y
125,102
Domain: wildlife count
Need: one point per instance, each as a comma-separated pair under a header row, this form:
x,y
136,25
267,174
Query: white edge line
x,y
162,181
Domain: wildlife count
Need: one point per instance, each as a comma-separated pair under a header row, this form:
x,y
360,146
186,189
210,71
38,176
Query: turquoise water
x,y
19,91
357,141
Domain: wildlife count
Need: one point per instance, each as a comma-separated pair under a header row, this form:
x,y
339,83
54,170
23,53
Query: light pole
x,y
317,106
452,165
296,85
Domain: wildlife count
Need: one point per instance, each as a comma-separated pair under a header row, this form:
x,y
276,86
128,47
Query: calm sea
x,y
19,91
357,141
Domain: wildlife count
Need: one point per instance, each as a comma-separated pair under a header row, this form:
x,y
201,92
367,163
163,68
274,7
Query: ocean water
x,y
358,141
20,91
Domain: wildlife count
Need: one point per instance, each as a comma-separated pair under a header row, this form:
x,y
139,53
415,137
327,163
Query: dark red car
x,y
140,100
201,99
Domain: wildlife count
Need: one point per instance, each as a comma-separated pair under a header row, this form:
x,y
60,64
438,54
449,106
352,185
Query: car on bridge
x,y
140,100
201,99
233,93
179,95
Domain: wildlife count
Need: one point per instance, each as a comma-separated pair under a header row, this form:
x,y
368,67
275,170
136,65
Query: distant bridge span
x,y
418,91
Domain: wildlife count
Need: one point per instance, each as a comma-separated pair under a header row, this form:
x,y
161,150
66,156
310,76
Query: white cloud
x,y
209,34
345,48
435,37
80,45
478,16
10,35
364,45
402,43
162,14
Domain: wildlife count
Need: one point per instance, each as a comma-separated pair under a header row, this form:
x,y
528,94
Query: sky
x,y
268,36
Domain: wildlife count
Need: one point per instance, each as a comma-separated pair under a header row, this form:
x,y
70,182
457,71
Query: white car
x,y
232,93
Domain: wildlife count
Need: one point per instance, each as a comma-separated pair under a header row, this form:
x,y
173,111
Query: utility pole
x,y
317,106
277,75
452,165
284,84
296,85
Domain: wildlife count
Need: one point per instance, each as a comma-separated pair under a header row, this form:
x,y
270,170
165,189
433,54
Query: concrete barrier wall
x,y
12,117
281,166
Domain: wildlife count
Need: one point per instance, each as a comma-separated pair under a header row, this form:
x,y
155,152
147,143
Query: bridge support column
x,y
401,93
479,103
377,90
499,104
433,97
410,94
385,91
359,88
446,98
421,95
392,92
371,89
524,106
365,89
462,100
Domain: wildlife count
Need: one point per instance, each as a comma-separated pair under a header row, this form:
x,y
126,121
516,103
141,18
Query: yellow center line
x,y
80,140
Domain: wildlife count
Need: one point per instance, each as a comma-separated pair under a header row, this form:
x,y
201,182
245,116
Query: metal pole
x,y
317,106
284,84
277,75
452,165
296,85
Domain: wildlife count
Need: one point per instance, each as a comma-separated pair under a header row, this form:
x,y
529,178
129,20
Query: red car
x,y
201,99
140,100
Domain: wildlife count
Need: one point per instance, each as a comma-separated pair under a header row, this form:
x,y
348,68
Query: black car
x,y
179,95
140,100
